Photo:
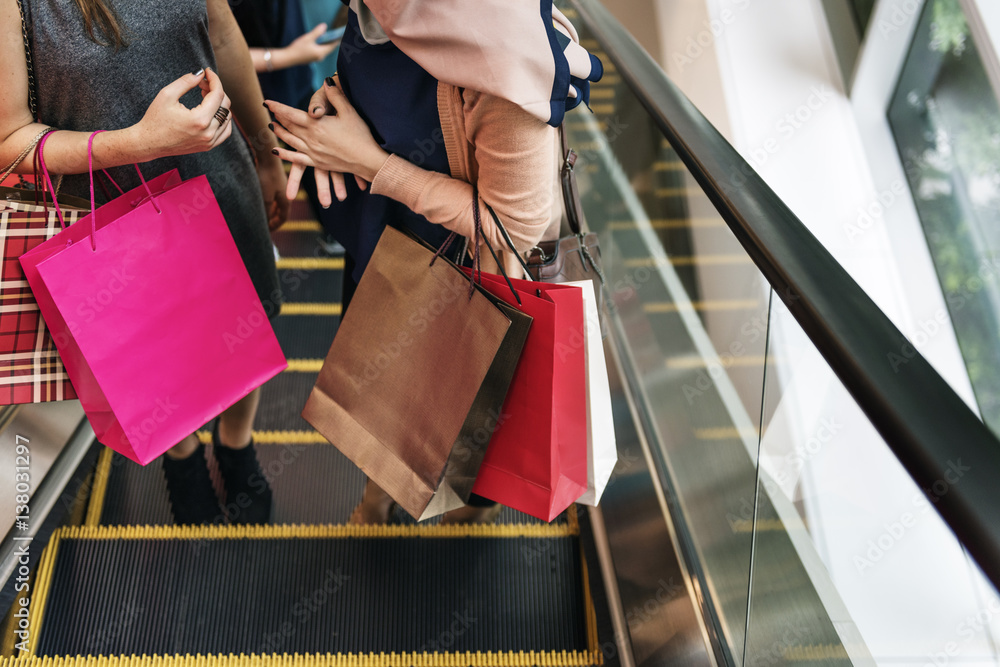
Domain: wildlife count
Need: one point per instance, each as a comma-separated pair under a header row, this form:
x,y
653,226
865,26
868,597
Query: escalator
x,y
128,582
748,380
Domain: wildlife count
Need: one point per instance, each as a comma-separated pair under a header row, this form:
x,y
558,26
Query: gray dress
x,y
84,86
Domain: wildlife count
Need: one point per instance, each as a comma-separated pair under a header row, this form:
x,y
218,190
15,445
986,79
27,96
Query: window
x,y
945,119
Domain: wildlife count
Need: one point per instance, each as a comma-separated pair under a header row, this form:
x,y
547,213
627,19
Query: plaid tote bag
x,y
30,368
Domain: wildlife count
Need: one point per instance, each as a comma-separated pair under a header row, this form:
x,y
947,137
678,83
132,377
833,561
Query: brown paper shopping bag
x,y
415,380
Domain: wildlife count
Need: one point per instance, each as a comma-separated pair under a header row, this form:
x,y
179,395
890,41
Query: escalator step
x,y
323,595
312,484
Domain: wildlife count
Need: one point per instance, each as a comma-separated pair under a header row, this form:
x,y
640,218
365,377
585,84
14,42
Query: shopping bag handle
x,y
476,275
509,242
93,198
40,164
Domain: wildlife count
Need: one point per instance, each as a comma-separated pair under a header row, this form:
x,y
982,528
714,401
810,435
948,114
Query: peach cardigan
x,y
512,155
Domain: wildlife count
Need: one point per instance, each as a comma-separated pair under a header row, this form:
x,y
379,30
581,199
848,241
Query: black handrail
x,y
948,451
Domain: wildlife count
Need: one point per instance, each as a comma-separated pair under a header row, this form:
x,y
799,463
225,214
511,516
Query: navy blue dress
x,y
398,100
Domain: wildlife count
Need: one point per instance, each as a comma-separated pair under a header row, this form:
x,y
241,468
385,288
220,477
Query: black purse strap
x,y
509,242
32,101
567,179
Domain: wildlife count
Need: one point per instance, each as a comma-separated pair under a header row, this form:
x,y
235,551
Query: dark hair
x,y
102,23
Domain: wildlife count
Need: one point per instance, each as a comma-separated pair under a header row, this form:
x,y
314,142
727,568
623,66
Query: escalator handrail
x,y
947,450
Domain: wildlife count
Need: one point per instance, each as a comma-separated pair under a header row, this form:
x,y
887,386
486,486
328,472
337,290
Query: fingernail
x,y
274,150
267,107
329,81
270,126
199,72
317,109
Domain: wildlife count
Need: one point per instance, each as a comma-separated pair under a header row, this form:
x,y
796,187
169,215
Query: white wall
x,y
765,72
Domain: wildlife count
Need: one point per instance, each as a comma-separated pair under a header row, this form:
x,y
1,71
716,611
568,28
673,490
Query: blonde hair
x,y
102,23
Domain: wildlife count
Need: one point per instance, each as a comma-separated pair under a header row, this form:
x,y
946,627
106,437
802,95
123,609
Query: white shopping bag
x,y
602,450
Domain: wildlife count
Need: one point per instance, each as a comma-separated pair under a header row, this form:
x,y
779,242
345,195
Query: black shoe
x,y
248,495
192,498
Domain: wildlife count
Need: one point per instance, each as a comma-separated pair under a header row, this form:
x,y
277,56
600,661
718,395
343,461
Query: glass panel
x,y
851,562
946,121
691,318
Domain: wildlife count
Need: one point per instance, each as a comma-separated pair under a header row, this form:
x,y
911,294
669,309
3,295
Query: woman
x,y
131,68
424,108
281,48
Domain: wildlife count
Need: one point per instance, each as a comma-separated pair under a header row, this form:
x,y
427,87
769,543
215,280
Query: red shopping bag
x,y
536,461
151,308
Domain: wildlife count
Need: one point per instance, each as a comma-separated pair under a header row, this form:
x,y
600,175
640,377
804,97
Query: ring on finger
x,y
222,115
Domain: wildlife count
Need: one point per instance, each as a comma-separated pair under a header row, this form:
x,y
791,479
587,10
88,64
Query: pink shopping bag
x,y
154,315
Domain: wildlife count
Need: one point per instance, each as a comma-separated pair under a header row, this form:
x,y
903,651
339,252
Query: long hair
x,y
102,23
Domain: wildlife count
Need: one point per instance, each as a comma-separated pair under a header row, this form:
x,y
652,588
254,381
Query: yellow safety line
x,y
301,226
303,308
696,361
317,531
7,637
659,307
668,223
304,365
815,653
404,659
663,165
578,126
81,502
311,263
601,93
603,108
276,438
42,586
679,192
697,260
100,488
761,525
724,433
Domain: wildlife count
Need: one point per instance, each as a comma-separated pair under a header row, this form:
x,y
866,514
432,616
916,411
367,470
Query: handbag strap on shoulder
x,y
32,101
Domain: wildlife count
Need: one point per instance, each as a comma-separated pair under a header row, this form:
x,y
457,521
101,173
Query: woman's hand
x,y
304,49
320,106
335,144
170,128
271,173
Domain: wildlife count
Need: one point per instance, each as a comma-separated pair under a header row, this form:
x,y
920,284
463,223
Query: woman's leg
x,y
375,507
236,422
184,448
248,494
189,487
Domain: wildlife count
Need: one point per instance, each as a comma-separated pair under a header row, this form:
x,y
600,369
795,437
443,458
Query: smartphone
x,y
330,36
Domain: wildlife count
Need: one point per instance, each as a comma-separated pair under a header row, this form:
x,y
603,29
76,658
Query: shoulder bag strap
x,y
32,102
567,178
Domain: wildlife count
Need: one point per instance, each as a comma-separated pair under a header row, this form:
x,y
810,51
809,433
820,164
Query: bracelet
x,y
267,60
9,169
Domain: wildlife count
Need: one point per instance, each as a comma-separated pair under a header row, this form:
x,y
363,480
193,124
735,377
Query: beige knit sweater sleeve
x,y
511,153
